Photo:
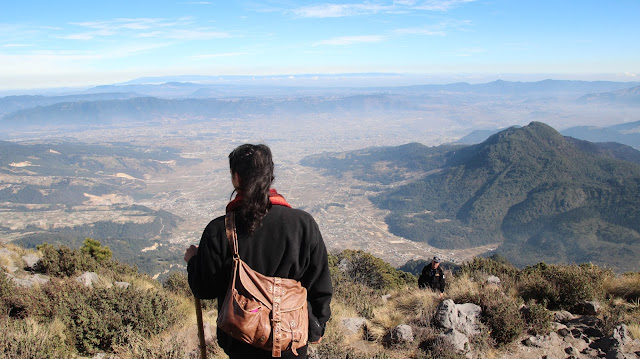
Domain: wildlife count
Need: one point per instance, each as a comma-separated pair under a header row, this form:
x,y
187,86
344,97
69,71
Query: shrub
x,y
26,339
6,291
538,318
495,265
93,248
62,261
501,315
562,286
95,318
373,272
178,283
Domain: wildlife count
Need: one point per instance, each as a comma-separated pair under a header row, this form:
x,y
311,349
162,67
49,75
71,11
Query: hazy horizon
x,y
69,45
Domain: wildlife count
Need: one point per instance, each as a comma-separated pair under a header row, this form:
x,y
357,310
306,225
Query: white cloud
x,y
179,34
340,10
211,56
420,31
439,5
350,40
16,45
399,6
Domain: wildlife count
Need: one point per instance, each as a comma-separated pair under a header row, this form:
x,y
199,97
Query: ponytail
x,y
254,166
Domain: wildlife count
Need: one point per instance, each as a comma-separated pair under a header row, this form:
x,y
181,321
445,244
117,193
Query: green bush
x,y
562,286
538,318
23,339
93,248
178,283
95,318
62,261
495,265
6,291
373,272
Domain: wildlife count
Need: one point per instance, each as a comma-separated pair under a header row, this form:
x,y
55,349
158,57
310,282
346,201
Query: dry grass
x,y
634,329
462,286
625,286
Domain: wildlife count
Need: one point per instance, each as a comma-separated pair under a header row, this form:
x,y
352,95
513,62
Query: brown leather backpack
x,y
266,312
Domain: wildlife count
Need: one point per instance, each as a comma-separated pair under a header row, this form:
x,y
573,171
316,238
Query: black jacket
x,y
288,244
432,278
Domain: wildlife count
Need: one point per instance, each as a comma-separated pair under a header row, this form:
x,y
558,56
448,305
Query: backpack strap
x,y
232,237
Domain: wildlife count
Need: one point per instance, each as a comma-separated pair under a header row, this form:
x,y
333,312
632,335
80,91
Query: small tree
x,y
96,250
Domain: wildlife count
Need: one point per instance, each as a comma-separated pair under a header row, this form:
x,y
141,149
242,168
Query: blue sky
x,y
72,43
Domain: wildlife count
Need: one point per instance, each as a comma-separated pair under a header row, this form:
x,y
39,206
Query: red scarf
x,y
274,197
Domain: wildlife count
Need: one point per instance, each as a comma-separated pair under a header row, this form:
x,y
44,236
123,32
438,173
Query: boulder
x,y
562,316
621,336
591,307
461,317
30,261
88,278
353,325
123,285
402,334
492,279
459,341
29,281
543,341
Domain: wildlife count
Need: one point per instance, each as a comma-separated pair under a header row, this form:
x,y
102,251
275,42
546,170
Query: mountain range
x,y
542,196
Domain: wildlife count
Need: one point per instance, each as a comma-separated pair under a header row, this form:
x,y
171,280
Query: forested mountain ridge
x,y
544,196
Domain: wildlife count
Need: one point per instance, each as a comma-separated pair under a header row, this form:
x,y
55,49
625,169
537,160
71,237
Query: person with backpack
x,y
432,276
273,239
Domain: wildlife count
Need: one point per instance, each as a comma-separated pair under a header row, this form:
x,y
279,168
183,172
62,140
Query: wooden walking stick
x,y
203,345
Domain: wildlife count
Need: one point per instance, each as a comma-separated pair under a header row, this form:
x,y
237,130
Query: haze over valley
x,y
146,174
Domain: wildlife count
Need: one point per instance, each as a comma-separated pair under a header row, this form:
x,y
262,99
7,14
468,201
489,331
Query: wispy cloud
x,y
420,31
438,29
329,10
178,29
16,45
211,56
340,10
178,34
439,5
350,40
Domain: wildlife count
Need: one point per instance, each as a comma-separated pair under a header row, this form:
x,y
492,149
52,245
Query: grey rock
x,y
353,325
562,316
87,278
461,317
571,350
29,281
386,297
621,336
402,334
459,341
563,332
30,261
619,354
492,279
543,341
591,307
123,285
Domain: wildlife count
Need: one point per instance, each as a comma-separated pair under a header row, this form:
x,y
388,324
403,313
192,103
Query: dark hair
x,y
254,166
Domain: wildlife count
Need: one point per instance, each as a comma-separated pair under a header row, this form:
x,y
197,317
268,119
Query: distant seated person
x,y
432,277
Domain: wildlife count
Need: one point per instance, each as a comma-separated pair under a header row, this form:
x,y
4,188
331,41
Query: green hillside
x,y
546,197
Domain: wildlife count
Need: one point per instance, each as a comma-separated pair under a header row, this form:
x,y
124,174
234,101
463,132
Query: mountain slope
x,y
627,133
546,197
